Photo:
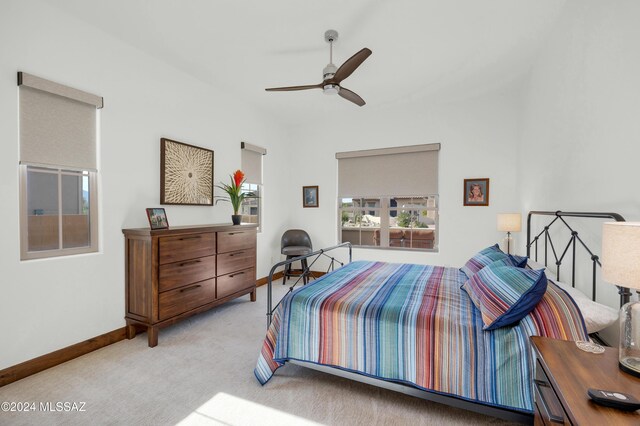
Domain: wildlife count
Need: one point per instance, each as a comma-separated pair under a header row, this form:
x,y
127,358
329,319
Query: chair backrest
x,y
295,237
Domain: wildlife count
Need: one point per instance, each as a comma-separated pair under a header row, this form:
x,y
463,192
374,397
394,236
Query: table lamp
x,y
509,222
621,266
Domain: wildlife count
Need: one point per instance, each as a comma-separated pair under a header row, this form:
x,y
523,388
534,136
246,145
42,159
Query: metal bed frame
x,y
450,400
625,293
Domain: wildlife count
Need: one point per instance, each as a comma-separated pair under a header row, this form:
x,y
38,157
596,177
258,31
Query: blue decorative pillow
x,y
505,294
519,261
482,259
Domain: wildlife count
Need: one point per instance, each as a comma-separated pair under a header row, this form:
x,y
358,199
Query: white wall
x,y
478,137
581,108
49,304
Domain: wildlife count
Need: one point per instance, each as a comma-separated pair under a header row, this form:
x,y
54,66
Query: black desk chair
x,y
294,243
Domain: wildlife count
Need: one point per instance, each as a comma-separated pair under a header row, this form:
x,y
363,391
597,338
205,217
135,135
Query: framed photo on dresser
x,y
157,218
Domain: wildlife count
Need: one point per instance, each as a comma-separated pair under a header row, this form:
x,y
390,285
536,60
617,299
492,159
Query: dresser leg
x,y
130,331
253,295
152,334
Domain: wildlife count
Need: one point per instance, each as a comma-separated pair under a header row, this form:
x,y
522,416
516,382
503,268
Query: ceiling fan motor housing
x,y
329,71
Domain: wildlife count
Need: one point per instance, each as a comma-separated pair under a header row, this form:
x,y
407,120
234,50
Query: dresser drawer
x,y
236,281
236,260
546,400
178,274
174,302
236,240
183,247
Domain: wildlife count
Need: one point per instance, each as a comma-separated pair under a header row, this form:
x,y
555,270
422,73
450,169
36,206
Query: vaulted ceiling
x,y
422,49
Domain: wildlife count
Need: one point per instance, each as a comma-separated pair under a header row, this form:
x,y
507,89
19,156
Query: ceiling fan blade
x,y
351,96
291,88
351,64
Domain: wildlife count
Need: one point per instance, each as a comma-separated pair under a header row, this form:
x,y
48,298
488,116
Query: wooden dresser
x,y
173,273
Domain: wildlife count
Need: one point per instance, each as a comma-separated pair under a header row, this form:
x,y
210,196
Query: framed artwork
x,y
186,174
476,192
157,218
310,196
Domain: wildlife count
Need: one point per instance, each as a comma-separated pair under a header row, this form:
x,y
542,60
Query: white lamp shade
x,y
621,253
509,222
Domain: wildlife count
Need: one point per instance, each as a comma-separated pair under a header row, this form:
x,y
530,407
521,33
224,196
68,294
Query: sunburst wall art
x,y
186,174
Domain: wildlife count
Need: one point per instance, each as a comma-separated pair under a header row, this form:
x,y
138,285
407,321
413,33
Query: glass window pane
x,y
76,228
42,210
346,202
370,228
250,208
350,226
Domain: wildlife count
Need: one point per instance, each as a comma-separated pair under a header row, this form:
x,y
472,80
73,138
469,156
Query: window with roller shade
x,y
251,208
388,198
58,169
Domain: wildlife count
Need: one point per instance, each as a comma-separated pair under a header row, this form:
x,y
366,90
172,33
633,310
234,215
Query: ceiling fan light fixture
x,y
330,89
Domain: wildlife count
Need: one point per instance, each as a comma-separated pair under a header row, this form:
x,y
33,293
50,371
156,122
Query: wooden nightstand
x,y
563,375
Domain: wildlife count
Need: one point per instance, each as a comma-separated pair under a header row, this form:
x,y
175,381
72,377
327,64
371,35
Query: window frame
x,y
93,247
384,211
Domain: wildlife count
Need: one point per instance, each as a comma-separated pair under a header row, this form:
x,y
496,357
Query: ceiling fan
x,y
333,76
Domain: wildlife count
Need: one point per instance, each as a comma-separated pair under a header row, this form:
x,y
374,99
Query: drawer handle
x,y
191,262
237,273
236,253
190,288
196,237
553,417
234,233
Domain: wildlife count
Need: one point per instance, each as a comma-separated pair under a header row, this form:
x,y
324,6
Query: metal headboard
x,y
624,292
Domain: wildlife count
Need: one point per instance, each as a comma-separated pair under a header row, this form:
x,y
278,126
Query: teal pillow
x,y
482,259
505,294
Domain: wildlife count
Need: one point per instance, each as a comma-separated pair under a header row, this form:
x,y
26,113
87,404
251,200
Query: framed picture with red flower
x,y
186,174
310,196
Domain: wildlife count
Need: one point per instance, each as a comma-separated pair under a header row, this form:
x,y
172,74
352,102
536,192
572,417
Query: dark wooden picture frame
x,y
310,196
476,192
157,218
186,174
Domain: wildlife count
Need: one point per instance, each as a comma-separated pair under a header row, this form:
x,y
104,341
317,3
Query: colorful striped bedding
x,y
413,324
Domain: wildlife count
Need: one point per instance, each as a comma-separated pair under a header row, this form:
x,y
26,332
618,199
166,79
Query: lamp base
x,y
630,365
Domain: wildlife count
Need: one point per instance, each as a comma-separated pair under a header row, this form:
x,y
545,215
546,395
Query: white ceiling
x,y
433,49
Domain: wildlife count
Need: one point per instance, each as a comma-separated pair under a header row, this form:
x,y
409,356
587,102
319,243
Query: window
x,y
58,176
251,209
59,206
402,210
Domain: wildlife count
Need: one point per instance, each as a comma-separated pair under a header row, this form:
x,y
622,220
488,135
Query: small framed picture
x,y
157,218
310,196
476,192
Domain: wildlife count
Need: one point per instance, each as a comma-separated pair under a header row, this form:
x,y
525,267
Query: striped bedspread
x,y
413,324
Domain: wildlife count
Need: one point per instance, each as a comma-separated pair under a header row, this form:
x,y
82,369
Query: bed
x,y
411,328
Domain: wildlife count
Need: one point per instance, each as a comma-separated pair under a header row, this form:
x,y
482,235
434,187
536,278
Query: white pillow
x,y
596,315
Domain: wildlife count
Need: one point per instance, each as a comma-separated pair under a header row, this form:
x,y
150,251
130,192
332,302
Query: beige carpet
x,y
202,373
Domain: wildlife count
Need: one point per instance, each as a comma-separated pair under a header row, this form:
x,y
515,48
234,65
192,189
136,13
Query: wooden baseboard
x,y
41,363
36,365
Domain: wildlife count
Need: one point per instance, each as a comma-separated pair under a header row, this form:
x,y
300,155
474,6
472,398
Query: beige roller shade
x,y
408,170
57,124
252,162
